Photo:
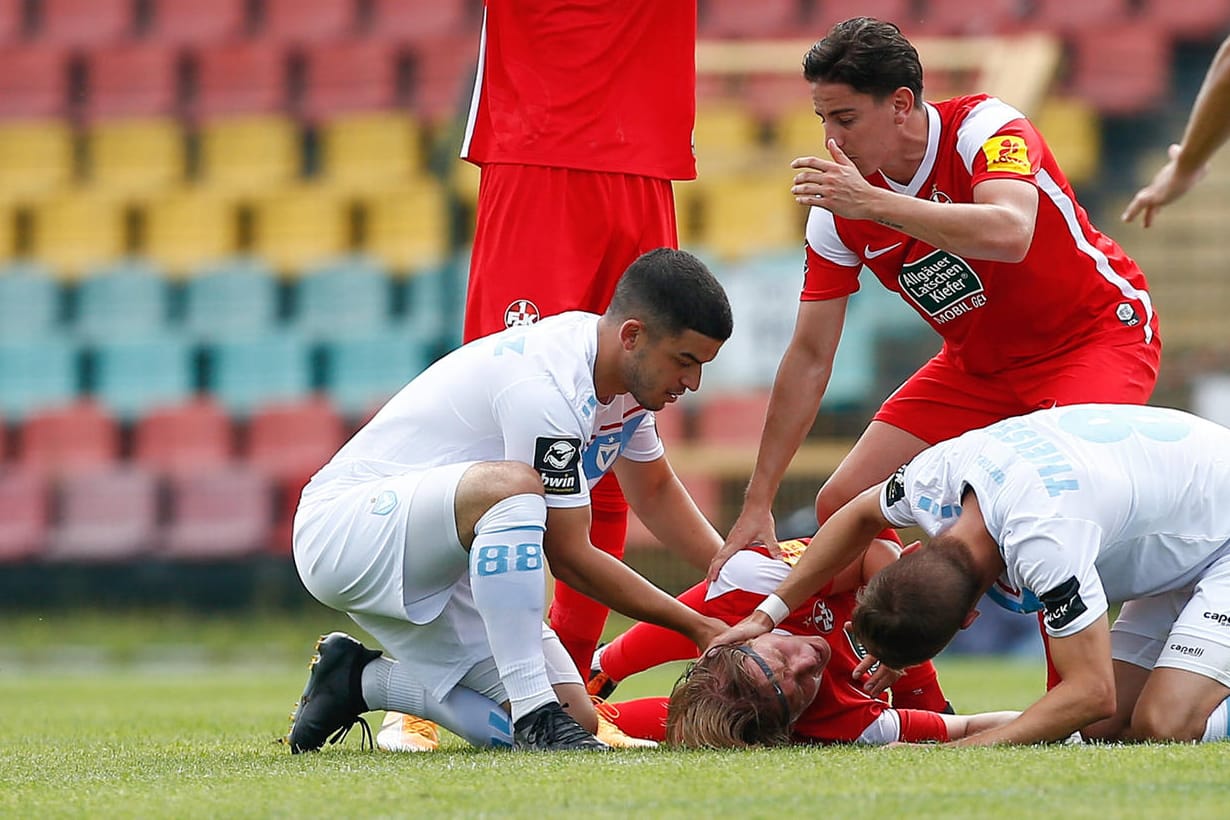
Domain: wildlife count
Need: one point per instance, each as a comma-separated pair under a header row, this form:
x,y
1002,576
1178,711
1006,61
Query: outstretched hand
x,y
751,529
1167,185
753,626
878,681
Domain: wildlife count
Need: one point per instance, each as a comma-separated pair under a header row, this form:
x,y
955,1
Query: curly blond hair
x,y
719,703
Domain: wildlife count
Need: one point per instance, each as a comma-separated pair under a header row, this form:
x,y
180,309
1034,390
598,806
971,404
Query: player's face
x,y
865,129
797,662
660,370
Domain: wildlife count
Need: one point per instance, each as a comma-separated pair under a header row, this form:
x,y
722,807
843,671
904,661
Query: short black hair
x,y
869,55
672,291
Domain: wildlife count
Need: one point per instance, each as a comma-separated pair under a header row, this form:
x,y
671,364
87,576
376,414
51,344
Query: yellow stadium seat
x,y
249,154
741,215
465,181
726,136
35,158
74,231
1072,130
136,156
407,227
186,226
687,202
799,133
363,151
301,224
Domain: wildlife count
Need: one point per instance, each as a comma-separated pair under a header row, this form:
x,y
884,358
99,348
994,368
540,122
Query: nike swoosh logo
x,y
870,254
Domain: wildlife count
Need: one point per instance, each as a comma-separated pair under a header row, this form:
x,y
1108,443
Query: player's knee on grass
x,y
1170,720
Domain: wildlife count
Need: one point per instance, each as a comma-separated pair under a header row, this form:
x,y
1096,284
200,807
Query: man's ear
x,y
630,332
911,547
970,617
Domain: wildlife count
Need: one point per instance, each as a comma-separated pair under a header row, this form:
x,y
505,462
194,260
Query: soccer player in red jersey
x,y
959,207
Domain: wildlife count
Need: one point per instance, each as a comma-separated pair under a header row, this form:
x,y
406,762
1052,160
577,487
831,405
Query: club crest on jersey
x,y
520,313
822,617
1007,154
558,461
939,196
1127,314
384,503
606,455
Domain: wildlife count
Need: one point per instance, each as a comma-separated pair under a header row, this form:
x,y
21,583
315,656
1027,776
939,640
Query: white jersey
x,y
1089,504
525,394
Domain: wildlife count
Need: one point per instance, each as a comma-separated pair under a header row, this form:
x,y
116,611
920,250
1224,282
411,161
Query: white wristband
x,y
775,608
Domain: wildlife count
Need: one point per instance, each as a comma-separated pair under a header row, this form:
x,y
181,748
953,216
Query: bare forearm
x,y
1209,124
976,230
1060,712
842,539
673,518
797,390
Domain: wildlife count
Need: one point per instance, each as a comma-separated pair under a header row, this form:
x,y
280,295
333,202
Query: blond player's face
x,y
797,661
660,370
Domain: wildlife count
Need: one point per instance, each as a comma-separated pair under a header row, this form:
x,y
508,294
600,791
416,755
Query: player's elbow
x,y
1098,701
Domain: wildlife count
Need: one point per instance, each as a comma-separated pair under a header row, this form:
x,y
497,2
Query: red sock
x,y
644,717
577,619
646,645
890,534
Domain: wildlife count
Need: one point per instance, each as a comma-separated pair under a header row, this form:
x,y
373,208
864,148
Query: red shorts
x,y
549,240
941,401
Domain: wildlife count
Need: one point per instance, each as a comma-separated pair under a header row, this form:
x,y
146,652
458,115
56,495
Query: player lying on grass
x,y
793,685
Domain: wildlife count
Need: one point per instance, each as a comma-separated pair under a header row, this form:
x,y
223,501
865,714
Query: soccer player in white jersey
x,y
431,525
1077,507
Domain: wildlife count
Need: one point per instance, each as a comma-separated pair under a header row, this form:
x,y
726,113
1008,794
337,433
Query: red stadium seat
x,y
107,515
1094,16
739,18
291,440
968,17
418,21
732,418
300,22
80,437
85,23
12,20
239,78
131,79
1123,69
218,513
350,75
824,14
33,81
196,23
25,506
185,438
443,77
1191,19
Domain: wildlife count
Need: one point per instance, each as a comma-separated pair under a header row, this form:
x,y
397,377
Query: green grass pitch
x,y
114,716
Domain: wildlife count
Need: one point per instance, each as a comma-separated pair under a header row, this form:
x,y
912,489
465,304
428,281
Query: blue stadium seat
x,y
29,301
363,372
349,296
231,299
128,299
134,376
36,374
244,374
435,304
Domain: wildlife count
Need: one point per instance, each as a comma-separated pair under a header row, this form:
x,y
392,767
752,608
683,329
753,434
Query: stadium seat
x,y
1121,69
230,299
347,296
739,18
218,513
798,132
246,373
36,156
362,372
193,23
825,13
186,226
73,232
72,438
189,437
406,226
12,20
133,376
348,75
365,151
732,418
443,77
131,79
1097,17
33,80
968,17
748,214
770,96
105,515
135,156
36,374
29,302
725,136
416,21
1074,134
25,510
85,23
298,225
249,154
128,299
435,302
244,77
1197,20
300,22
289,441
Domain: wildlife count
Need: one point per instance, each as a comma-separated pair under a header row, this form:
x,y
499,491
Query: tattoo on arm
x,y
894,225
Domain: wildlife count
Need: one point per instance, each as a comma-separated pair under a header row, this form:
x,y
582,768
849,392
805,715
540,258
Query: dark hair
x,y
719,704
910,610
672,291
869,55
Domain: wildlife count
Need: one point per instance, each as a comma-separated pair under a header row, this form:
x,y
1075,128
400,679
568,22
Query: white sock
x,y
509,584
467,714
1215,728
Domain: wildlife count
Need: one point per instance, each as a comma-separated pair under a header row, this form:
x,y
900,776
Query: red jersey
x,y
1074,286
841,711
618,93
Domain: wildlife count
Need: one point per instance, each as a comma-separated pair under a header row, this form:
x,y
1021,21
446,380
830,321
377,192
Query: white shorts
x,y
1185,629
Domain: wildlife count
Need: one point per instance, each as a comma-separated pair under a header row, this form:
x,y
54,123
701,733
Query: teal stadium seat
x,y
362,372
341,298
131,377
435,304
244,374
230,299
128,299
37,374
29,302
